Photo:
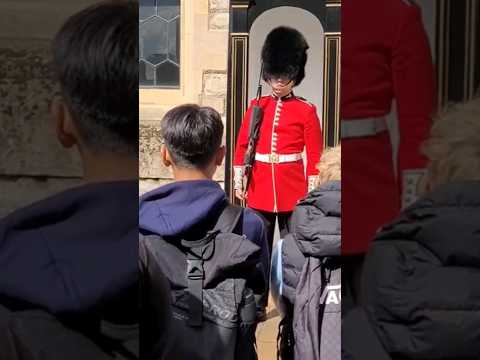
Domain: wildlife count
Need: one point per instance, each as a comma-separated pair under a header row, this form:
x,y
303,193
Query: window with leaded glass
x,y
159,43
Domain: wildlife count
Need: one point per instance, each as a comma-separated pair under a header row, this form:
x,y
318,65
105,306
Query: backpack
x,y
317,310
211,295
311,326
306,274
38,335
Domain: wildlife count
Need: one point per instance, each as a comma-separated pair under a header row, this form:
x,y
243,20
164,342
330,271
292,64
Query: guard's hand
x,y
239,194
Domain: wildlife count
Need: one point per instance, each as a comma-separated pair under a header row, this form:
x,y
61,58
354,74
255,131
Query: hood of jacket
x,y
422,277
316,221
181,209
72,253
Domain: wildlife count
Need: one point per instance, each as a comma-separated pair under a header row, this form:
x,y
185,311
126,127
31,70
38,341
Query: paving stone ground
x,y
267,335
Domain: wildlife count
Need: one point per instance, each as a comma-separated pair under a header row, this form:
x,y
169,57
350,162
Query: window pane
x,y
146,74
154,40
147,9
167,74
173,43
159,43
168,9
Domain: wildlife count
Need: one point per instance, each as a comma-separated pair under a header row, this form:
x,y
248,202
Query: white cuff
x,y
312,182
410,180
239,172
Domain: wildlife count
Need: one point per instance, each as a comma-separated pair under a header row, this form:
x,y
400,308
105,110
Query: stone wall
x,y
32,164
204,44
218,15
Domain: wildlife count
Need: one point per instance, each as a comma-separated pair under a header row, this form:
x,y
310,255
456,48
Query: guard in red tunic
x,y
290,125
385,57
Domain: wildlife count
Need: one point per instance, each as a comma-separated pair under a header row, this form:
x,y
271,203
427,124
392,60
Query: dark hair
x,y
95,59
284,53
192,135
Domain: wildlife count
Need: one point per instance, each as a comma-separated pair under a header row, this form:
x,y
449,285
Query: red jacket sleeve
x,y
414,87
242,140
313,141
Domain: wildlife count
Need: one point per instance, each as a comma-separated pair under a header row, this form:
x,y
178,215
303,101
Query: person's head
x,y
284,55
330,165
192,141
453,149
95,61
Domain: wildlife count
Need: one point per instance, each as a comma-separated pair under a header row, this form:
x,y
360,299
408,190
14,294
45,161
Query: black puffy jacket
x,y
422,278
311,274
315,224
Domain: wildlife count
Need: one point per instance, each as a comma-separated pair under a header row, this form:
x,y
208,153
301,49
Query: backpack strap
x,y
285,338
195,277
229,219
202,250
198,252
123,339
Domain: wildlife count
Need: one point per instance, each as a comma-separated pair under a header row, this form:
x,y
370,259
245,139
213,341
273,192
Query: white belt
x,y
362,127
274,158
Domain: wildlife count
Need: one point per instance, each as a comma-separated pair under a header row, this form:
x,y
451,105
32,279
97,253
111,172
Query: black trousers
x,y
270,219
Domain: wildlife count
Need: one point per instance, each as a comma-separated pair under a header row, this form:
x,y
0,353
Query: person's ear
x,y
63,123
166,157
220,156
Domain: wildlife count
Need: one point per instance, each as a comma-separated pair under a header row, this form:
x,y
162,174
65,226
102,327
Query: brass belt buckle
x,y
274,158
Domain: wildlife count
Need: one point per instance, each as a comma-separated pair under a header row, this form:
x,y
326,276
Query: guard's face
x,y
281,85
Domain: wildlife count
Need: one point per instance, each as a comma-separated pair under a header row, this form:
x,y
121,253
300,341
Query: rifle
x,y
256,118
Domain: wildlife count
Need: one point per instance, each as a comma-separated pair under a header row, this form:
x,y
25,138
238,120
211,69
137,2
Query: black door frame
x,y
243,14
457,35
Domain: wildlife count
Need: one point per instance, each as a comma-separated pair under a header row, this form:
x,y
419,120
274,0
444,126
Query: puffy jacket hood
x,y
422,277
316,221
447,222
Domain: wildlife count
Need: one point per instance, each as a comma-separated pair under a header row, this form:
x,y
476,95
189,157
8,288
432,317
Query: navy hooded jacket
x,y
74,253
188,209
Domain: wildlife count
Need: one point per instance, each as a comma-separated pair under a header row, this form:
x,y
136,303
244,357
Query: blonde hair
x,y
330,166
453,149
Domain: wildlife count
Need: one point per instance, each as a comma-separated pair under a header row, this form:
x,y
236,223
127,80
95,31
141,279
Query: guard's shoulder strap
x,y
229,218
410,2
304,100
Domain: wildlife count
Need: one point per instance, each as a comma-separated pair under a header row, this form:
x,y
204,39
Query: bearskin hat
x,y
284,53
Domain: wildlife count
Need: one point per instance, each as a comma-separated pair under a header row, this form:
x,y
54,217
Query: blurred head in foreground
x,y
95,57
453,149
330,166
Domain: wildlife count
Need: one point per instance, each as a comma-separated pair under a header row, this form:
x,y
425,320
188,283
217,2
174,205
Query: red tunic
x,y
385,56
277,187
